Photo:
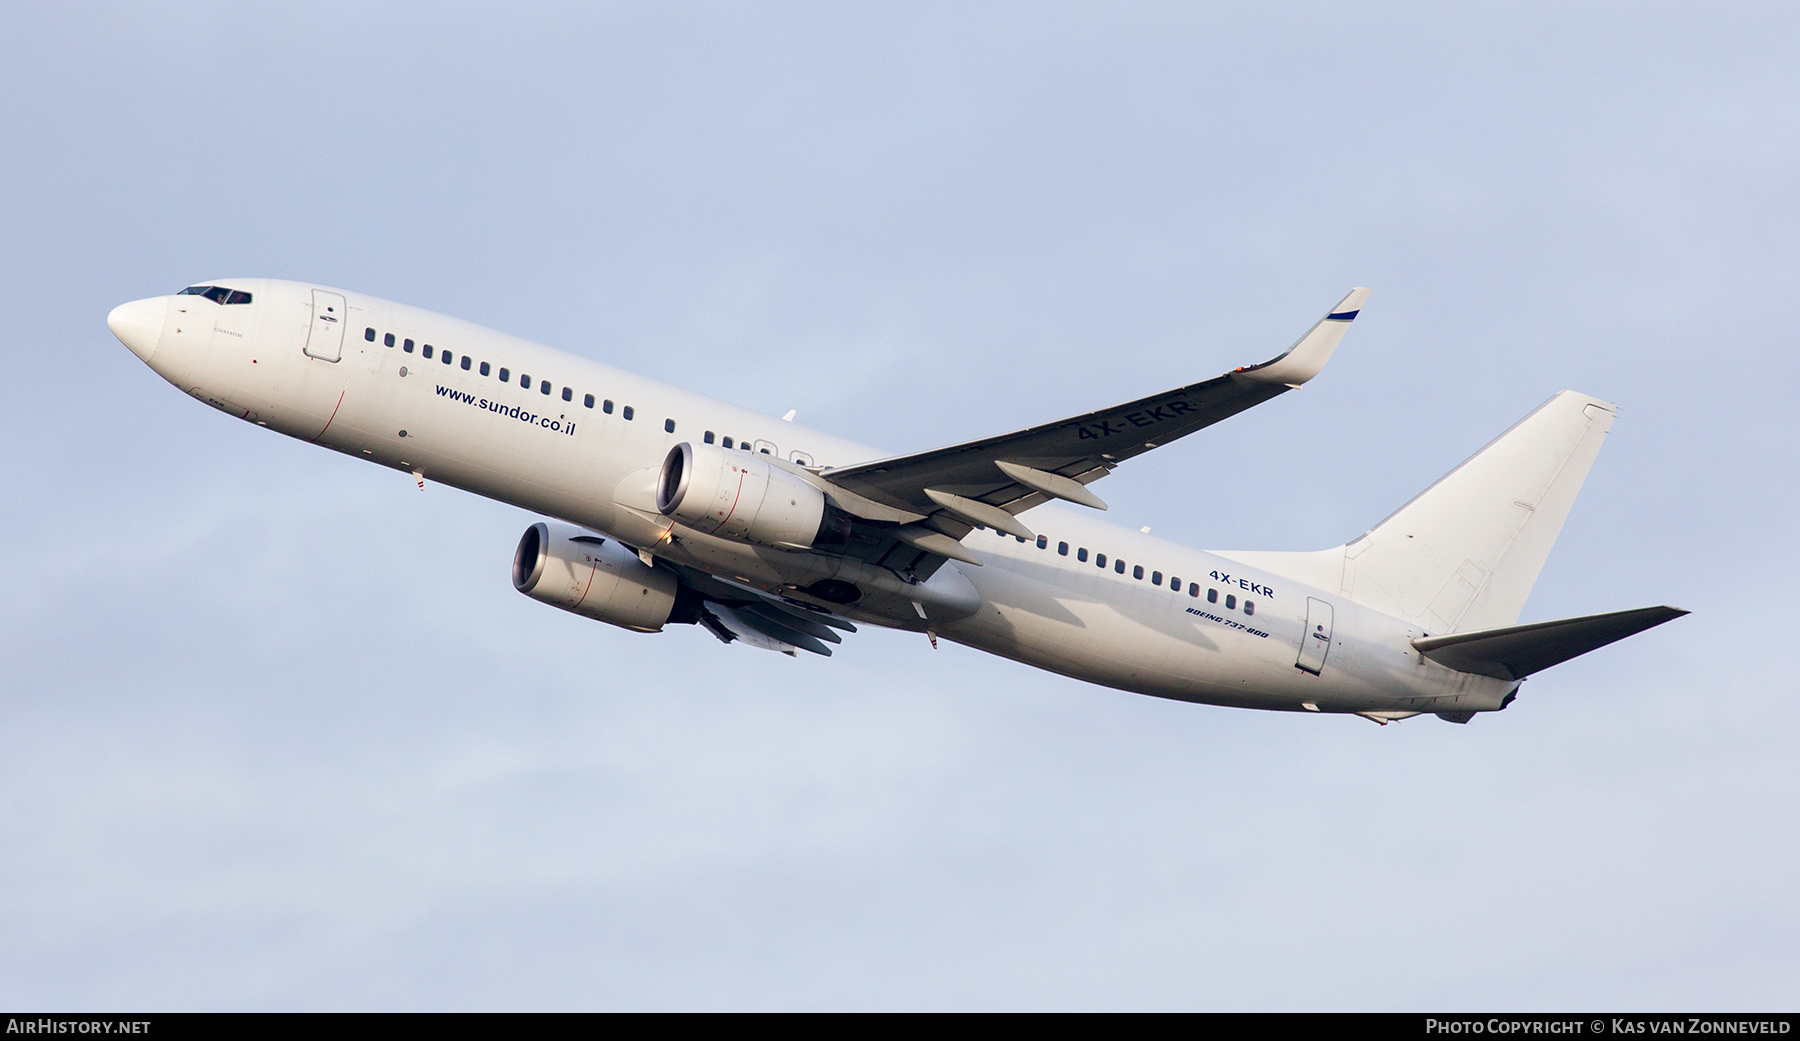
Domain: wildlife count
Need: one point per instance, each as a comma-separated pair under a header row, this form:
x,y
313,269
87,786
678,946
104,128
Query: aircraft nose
x,y
139,324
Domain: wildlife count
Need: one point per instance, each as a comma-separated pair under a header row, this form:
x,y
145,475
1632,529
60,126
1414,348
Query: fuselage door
x,y
325,339
1315,642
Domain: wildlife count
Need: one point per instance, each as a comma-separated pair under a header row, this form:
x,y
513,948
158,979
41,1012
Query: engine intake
x,y
745,497
592,576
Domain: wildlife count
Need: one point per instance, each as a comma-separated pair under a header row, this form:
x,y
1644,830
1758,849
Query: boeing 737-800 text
x,y
670,507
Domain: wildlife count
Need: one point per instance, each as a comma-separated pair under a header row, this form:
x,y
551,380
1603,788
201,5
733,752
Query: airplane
x,y
664,507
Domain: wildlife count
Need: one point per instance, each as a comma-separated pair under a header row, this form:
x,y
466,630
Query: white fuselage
x,y
544,448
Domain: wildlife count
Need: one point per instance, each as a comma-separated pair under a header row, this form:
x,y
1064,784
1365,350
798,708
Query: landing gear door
x,y
325,339
1315,642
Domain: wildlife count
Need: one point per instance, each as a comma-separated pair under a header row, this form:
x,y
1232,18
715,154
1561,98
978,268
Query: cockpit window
x,y
217,294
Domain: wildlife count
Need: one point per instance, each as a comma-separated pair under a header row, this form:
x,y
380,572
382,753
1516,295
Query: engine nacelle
x,y
745,497
592,576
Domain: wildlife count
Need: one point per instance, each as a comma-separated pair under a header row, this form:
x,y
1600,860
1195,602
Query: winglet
x,y
1309,354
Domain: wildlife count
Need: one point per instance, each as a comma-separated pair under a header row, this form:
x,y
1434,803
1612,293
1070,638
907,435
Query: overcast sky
x,y
275,731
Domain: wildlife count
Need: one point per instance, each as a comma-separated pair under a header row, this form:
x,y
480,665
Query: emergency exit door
x,y
1315,642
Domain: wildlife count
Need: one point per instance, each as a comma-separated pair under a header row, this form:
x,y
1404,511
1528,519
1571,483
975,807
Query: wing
x,y
987,482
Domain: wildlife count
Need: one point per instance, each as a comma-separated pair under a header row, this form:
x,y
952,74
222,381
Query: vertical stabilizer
x,y
1464,553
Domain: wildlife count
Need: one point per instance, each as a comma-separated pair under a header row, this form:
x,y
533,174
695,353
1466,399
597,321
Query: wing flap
x,y
748,624
734,611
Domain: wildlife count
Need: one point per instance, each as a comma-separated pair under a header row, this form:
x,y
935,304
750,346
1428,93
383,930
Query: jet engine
x,y
593,576
745,497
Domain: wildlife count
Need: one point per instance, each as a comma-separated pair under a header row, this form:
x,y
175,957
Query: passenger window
x,y
485,369
668,426
1119,566
544,388
568,395
1212,596
505,376
369,334
626,412
727,442
1249,607
1174,584
1099,560
465,363
448,357
524,381
1230,601
708,438
1020,538
408,345
588,401
426,350
1193,589
1042,542
1062,549
1081,554
606,407
1155,578
388,339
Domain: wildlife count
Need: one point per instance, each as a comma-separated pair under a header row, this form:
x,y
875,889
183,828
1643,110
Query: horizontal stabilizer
x,y
1517,651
